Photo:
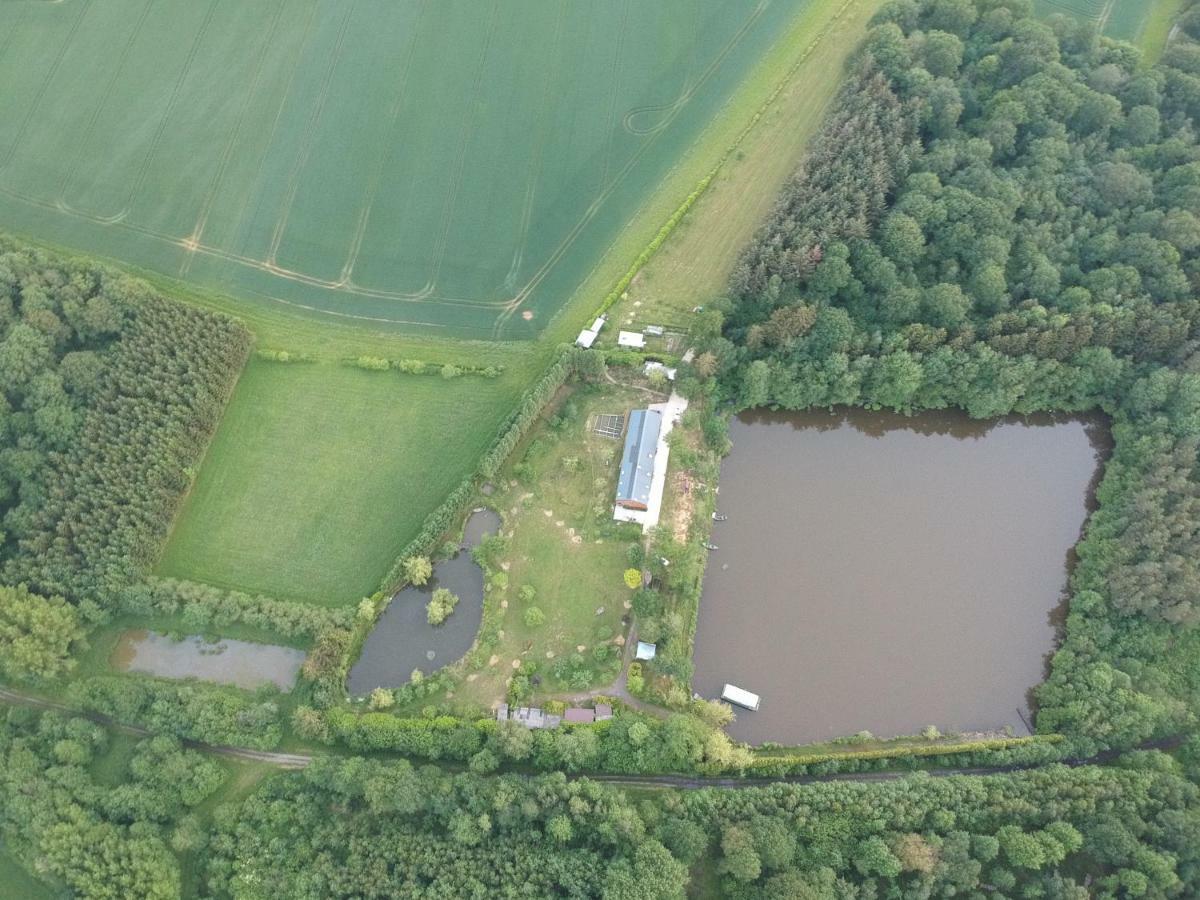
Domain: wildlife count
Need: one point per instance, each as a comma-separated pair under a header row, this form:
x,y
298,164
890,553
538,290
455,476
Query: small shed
x,y
645,651
654,330
577,715
502,712
598,324
632,339
603,712
586,338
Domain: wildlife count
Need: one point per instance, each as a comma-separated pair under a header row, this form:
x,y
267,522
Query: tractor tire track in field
x,y
140,179
27,120
385,153
309,137
235,133
533,175
613,82
456,179
607,190
106,95
284,97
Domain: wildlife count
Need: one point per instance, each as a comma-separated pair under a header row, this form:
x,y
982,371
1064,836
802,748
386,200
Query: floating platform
x,y
735,695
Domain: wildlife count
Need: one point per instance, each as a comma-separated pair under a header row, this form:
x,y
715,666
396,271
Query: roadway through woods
x,y
685,782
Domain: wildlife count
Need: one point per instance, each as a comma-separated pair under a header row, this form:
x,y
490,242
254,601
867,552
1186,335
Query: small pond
x,y
404,640
239,663
884,573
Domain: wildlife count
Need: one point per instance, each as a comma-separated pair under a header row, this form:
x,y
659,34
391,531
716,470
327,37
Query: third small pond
x,y
882,573
240,663
403,639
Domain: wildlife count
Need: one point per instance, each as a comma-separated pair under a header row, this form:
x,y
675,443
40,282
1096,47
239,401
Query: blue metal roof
x,y
637,465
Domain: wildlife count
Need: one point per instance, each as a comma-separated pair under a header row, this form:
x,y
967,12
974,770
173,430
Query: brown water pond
x,y
884,573
404,640
239,663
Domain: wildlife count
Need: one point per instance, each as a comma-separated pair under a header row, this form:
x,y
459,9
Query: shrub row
x,y
420,367
206,607
994,752
198,712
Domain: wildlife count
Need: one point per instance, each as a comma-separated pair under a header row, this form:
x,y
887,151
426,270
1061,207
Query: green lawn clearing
x,y
450,167
321,473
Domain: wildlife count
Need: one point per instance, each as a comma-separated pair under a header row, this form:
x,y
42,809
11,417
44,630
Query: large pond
x,y
404,640
885,573
239,663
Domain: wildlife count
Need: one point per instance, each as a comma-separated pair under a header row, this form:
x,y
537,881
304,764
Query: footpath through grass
x,y
321,473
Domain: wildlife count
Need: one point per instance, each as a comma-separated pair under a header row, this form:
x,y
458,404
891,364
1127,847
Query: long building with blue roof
x,y
637,465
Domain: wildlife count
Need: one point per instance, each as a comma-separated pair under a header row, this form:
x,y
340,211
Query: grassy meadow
x,y
210,141
321,473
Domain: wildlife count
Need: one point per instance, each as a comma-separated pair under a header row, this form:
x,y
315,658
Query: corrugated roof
x,y
637,465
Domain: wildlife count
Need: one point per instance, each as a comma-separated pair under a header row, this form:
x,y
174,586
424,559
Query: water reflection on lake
x,y
239,663
404,640
884,573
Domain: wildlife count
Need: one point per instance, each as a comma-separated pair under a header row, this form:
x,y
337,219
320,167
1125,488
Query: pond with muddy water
x,y
884,573
239,663
404,640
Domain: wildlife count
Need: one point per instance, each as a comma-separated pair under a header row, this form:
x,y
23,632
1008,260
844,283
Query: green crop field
x,y
1127,20
452,167
320,474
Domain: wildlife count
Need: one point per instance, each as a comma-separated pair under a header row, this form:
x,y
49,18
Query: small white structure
x,y
645,651
586,338
632,339
598,324
658,367
654,330
739,697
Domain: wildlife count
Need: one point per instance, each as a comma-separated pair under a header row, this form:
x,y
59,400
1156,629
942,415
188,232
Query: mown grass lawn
x,y
320,474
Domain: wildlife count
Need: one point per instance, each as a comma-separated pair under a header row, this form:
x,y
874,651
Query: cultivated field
x,y
1137,21
456,167
320,474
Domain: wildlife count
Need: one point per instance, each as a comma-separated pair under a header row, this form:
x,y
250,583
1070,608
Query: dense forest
x,y
348,827
108,396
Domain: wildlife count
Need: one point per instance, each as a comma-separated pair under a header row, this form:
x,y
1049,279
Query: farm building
x,y
632,339
637,465
577,715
